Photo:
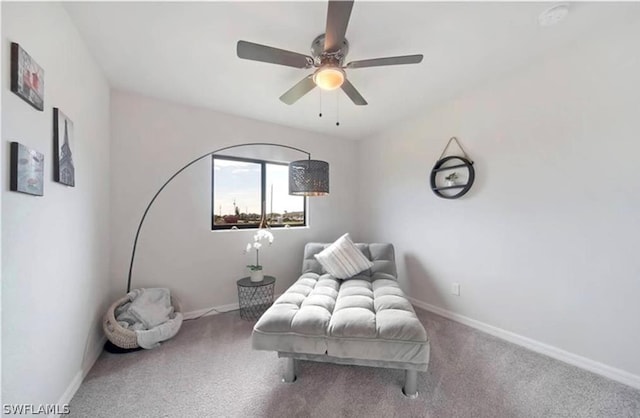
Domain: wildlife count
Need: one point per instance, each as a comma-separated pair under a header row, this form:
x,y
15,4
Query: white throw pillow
x,y
343,259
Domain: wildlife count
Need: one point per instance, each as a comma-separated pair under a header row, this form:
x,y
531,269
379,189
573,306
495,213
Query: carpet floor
x,y
210,370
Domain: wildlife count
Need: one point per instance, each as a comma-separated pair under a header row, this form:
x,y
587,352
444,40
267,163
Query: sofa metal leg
x,y
410,389
289,370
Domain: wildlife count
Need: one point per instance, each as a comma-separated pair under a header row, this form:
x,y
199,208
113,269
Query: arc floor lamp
x,y
306,178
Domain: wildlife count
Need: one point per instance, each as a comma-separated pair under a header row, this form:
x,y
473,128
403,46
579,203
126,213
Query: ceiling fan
x,y
328,54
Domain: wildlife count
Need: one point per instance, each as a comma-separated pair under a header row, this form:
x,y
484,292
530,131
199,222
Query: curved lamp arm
x,y
189,164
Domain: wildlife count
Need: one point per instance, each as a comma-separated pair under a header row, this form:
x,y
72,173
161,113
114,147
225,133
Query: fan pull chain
x,y
320,94
337,109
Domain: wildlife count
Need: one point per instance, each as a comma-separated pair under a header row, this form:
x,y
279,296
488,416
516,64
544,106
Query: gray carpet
x,y
209,370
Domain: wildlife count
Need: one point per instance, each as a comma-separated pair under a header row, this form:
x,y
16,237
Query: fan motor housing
x,y
335,57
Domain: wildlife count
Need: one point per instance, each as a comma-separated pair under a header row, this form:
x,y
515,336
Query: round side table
x,y
255,297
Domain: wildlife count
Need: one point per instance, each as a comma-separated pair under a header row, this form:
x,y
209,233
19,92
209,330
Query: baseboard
x,y
71,390
79,377
537,346
214,310
94,357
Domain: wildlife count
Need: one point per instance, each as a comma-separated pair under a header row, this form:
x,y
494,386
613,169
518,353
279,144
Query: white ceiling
x,y
186,52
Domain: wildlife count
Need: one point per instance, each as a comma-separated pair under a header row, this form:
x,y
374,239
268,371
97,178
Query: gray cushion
x,y
365,317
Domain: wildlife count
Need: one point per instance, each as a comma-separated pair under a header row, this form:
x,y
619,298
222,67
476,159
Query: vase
x,y
257,275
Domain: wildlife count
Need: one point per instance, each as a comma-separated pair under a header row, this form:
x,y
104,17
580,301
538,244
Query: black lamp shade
x,y
309,178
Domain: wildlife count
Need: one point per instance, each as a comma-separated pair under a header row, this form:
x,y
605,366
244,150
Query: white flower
x,y
261,234
268,235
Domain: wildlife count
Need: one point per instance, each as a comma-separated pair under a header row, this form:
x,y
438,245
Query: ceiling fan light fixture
x,y
328,53
329,77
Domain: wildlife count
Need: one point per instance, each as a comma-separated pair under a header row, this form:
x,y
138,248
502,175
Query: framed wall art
x,y
63,141
452,176
27,77
27,170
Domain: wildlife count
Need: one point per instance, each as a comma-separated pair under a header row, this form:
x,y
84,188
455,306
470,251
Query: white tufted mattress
x,y
366,317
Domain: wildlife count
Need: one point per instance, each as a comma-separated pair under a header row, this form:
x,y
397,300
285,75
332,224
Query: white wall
x,y
546,243
177,249
1,166
55,283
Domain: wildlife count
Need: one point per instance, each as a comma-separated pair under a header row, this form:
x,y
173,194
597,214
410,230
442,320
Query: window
x,y
245,189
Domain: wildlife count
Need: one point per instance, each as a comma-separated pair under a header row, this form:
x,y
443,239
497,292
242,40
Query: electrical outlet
x,y
455,289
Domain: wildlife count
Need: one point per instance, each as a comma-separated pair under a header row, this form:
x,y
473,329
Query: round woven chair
x,y
116,333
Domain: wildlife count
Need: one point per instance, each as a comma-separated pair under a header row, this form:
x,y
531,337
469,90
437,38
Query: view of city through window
x,y
240,187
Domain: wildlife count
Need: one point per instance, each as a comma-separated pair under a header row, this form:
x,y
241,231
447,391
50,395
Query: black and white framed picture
x,y
27,77
27,170
63,142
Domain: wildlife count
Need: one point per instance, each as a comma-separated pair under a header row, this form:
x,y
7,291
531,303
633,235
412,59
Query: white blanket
x,y
151,338
150,315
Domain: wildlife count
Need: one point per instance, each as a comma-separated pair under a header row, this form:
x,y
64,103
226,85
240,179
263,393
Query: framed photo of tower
x,y
63,142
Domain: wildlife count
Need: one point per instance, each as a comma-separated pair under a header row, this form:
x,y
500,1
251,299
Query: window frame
x,y
263,194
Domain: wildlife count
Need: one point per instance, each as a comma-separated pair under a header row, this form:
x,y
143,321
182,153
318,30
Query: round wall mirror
x,y
452,177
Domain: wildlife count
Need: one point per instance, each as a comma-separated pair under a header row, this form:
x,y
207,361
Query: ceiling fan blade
x,y
294,94
338,15
376,62
263,53
353,94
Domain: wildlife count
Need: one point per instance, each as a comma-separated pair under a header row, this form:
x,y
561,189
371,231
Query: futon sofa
x,y
364,320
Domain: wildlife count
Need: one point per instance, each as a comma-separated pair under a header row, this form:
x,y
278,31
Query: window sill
x,y
278,228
